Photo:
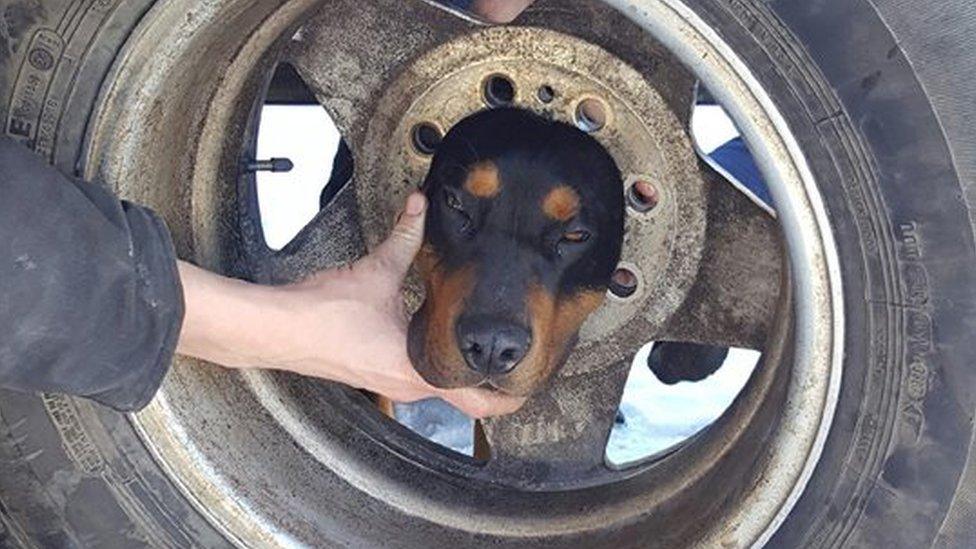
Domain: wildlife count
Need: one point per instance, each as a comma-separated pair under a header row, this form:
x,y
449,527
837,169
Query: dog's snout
x,y
492,346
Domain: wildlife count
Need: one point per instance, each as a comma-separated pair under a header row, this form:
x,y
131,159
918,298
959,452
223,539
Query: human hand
x,y
347,324
359,311
500,11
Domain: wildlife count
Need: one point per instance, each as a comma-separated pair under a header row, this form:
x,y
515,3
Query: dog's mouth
x,y
439,358
489,385
462,336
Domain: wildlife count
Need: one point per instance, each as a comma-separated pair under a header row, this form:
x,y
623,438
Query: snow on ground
x,y
711,127
658,416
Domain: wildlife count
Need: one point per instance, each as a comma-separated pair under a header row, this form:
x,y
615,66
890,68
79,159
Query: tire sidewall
x,y
899,439
75,473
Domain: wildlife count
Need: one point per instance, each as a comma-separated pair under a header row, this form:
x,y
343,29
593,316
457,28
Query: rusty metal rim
x,y
816,274
819,321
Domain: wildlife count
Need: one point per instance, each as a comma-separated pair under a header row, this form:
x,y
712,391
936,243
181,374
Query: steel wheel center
x,y
266,457
561,77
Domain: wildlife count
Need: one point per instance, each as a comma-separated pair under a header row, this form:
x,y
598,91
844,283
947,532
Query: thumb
x,y
398,250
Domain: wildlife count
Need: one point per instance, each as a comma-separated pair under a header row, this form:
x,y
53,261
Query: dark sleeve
x,y
90,299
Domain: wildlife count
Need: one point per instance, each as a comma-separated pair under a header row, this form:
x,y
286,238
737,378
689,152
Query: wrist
x,y
229,322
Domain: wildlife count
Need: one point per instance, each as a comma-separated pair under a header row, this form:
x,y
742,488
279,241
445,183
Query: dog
x,y
523,232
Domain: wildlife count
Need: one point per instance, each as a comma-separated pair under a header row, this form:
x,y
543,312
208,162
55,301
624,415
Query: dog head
x,y
523,233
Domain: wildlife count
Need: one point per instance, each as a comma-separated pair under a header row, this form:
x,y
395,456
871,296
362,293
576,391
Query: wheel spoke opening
x,y
295,127
673,397
440,423
720,145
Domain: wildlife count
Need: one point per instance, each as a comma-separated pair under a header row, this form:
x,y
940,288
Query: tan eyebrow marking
x,y
561,204
482,180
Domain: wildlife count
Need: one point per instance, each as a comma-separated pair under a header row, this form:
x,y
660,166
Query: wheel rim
x,y
201,415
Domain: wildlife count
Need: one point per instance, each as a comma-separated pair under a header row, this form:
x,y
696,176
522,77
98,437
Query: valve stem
x,y
274,165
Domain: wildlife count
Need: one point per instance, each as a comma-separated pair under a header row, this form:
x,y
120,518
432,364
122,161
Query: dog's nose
x,y
492,346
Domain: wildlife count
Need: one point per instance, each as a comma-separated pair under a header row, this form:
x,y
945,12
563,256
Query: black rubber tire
x,y
895,168
72,473
877,93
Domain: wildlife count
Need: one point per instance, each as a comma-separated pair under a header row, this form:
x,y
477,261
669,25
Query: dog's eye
x,y
461,217
576,236
452,201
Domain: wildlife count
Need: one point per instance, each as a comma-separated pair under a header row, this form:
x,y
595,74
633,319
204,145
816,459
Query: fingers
x,y
399,249
481,403
500,11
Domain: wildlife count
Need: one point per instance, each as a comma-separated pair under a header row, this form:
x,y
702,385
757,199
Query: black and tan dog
x,y
523,233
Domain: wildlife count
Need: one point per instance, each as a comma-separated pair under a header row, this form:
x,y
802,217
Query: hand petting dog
x,y
347,325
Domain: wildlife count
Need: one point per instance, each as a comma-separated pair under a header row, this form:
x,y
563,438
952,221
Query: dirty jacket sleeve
x,y
90,298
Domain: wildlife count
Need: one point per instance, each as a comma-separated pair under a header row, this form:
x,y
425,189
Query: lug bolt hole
x,y
643,196
425,138
623,282
545,93
499,91
591,115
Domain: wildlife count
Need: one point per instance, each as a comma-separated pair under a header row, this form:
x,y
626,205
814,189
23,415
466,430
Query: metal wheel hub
x,y
266,456
663,246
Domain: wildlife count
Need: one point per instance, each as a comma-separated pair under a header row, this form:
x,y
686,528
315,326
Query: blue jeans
x,y
735,158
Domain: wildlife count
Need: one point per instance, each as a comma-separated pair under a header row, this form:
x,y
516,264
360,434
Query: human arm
x,y
91,303
347,324
90,300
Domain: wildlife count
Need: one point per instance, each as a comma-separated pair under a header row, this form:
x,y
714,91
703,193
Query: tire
x,y
74,474
897,469
878,98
